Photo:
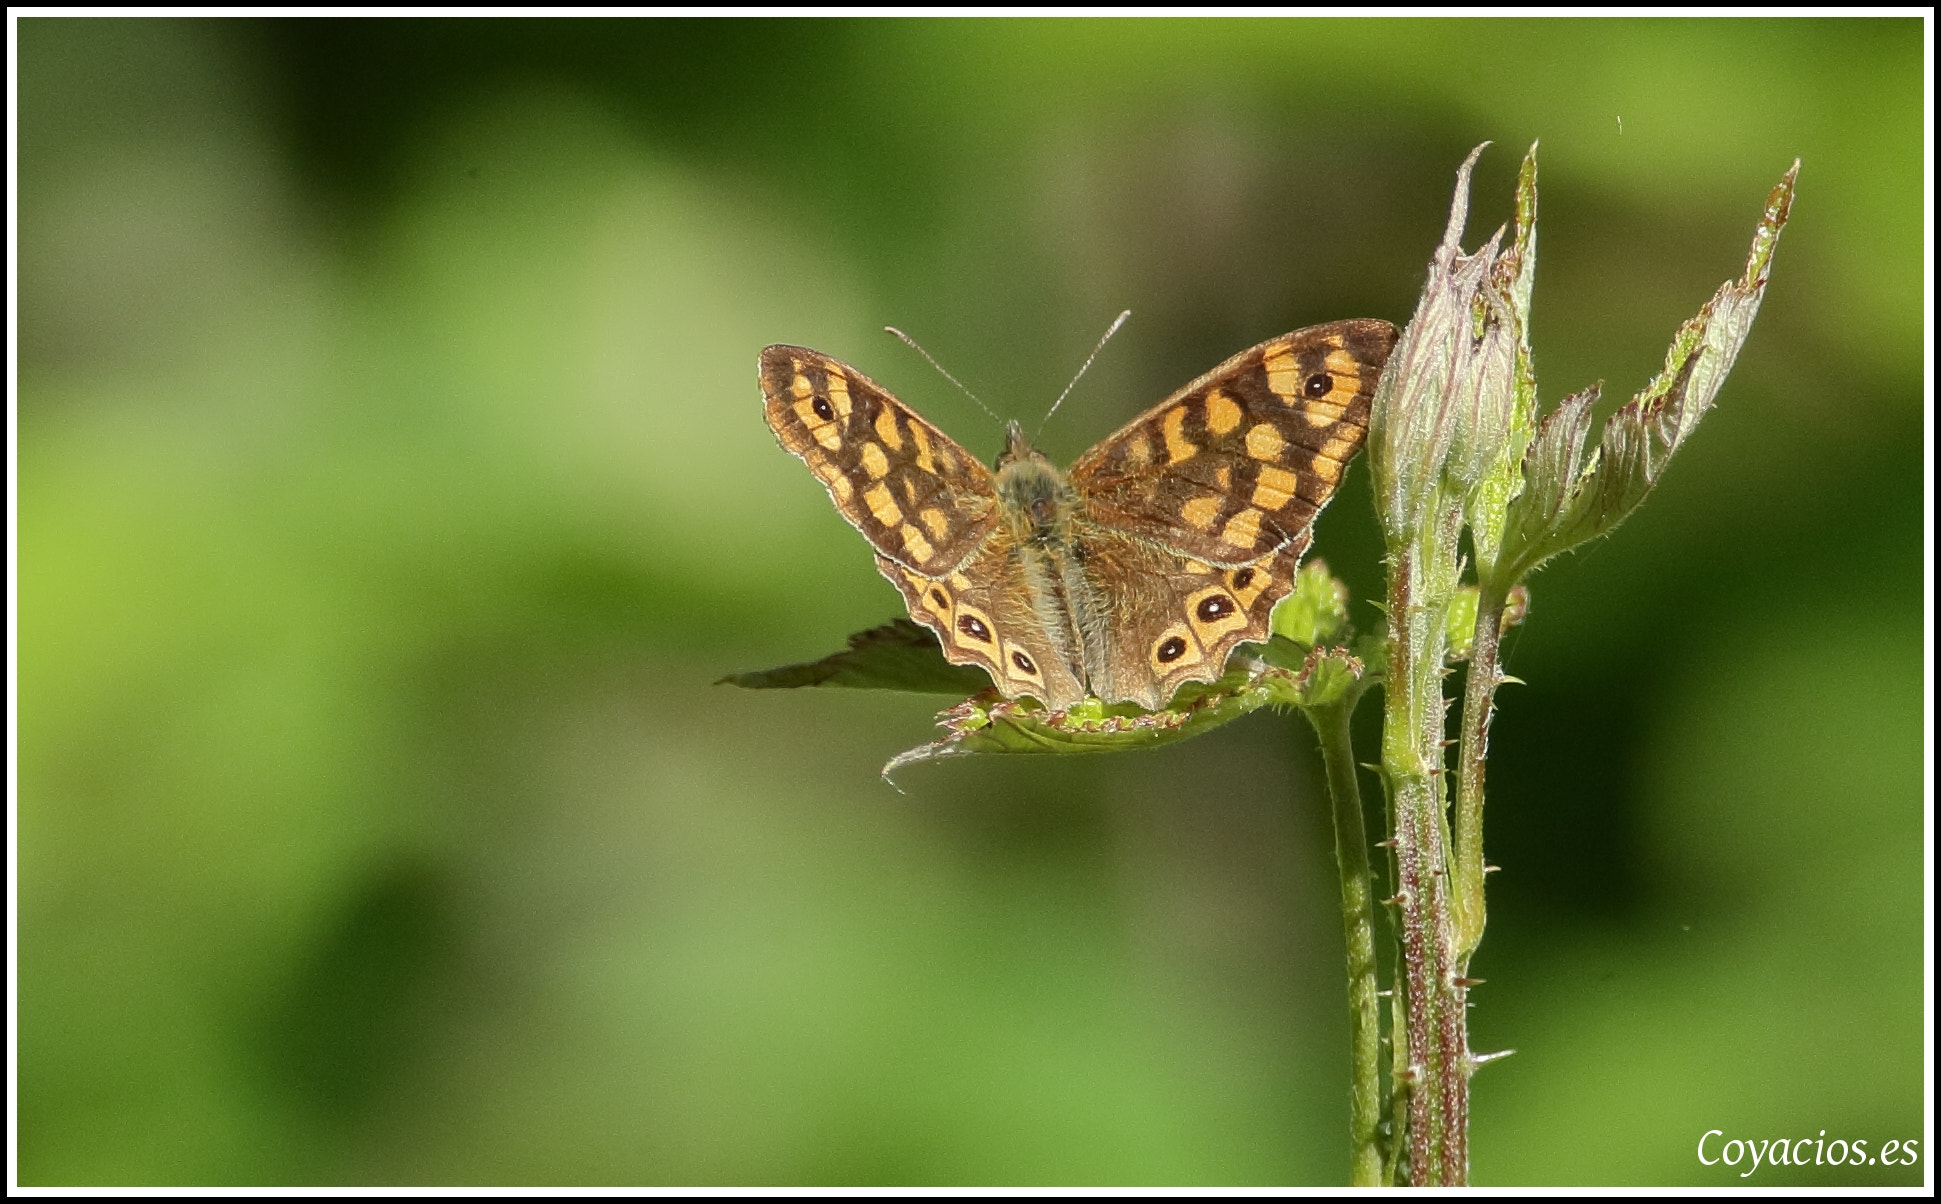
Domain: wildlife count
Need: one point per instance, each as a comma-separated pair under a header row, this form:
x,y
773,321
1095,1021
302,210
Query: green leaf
x,y
1567,498
1459,622
1317,611
1281,673
900,655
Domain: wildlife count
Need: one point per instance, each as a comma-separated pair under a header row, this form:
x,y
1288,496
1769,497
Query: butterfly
x,y
1134,571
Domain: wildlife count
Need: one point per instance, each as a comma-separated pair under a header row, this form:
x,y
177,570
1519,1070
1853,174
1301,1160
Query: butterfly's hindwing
x,y
923,501
1180,617
1236,465
983,615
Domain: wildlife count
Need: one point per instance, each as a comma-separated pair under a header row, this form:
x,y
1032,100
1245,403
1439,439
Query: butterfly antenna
x,y
1103,340
918,348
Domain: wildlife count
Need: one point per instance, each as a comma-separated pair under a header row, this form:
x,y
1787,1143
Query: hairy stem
x,y
1330,724
1422,576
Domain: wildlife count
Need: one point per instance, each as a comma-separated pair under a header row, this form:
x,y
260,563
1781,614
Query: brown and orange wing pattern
x,y
982,615
925,503
1234,467
1178,618
928,507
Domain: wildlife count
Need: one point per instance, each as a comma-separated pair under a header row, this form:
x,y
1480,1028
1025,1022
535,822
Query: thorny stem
x,y
1422,575
1330,724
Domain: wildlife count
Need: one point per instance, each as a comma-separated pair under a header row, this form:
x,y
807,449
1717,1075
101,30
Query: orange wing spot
x,y
804,408
1223,477
839,393
973,625
1275,488
1264,442
882,505
843,489
1242,530
800,387
1213,612
915,544
934,519
874,461
1200,512
1323,413
1342,447
960,581
921,438
1138,450
1178,447
909,489
1222,413
1283,374
1345,368
1197,567
1249,583
886,428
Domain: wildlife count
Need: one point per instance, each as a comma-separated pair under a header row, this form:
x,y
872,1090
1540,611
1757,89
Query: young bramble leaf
x,y
1317,611
1459,625
1568,498
1283,673
896,656
990,724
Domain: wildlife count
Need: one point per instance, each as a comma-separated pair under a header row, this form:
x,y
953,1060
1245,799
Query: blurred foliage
x,y
392,483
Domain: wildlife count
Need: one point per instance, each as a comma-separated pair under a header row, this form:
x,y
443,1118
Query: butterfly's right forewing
x,y
930,510
924,502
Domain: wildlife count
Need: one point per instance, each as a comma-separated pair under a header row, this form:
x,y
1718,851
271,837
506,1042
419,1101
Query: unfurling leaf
x,y
1317,611
1568,498
1459,625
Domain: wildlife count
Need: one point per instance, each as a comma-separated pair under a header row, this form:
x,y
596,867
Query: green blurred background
x,y
393,487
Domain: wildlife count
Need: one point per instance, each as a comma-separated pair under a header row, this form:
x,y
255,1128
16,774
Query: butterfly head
x,y
1033,493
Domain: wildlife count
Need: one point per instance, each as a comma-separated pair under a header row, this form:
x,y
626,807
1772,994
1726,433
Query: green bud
x,y
1443,410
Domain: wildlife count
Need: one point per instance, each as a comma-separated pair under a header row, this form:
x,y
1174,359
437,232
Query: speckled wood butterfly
x,y
1133,572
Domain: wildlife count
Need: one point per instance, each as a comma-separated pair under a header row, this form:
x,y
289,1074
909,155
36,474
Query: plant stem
x,y
1422,576
1478,706
1331,728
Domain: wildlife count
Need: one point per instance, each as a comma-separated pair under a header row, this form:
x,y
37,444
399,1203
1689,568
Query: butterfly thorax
x,y
1038,506
1032,494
